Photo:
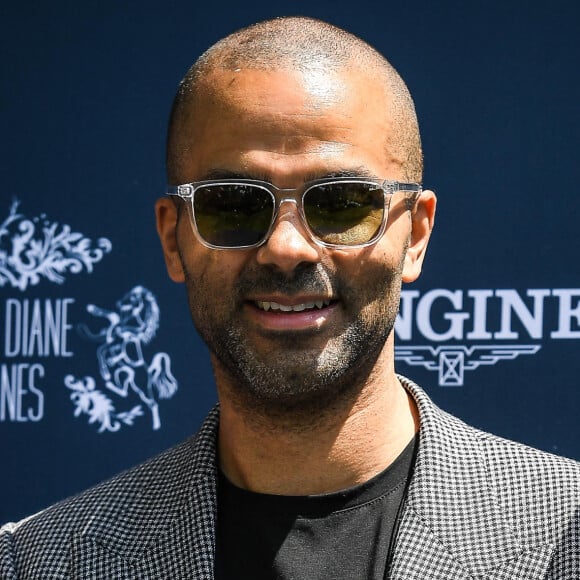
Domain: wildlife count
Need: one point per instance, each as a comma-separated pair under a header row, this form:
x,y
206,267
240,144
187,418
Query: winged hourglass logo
x,y
451,362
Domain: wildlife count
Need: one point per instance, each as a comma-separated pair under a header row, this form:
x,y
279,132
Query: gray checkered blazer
x,y
478,507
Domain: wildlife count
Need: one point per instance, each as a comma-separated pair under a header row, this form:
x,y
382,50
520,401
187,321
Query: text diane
x,y
34,329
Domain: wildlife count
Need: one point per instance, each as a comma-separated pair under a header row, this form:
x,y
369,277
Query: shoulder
x,y
464,471
151,492
491,504
41,542
532,484
521,477
518,470
516,463
537,495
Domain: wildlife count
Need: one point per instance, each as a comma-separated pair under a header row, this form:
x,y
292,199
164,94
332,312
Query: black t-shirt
x,y
344,535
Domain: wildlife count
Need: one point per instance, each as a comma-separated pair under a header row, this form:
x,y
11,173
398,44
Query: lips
x,y
297,314
301,307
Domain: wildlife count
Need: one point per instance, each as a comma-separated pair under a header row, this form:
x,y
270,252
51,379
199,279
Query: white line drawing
x,y
32,249
452,361
120,357
98,406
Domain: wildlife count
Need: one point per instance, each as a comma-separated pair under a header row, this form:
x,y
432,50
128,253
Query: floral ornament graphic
x,y
122,364
98,406
32,249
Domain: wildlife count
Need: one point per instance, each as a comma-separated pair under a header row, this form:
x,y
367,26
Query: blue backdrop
x,y
88,315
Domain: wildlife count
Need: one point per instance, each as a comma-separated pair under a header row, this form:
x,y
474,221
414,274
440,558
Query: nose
x,y
289,244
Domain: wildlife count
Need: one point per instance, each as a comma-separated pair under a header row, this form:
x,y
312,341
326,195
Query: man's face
x,y
291,324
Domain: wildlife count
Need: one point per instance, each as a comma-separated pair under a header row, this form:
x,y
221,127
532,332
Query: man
x,y
294,161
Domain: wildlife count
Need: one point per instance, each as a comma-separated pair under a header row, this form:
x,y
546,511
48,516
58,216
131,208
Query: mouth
x,y
298,314
275,306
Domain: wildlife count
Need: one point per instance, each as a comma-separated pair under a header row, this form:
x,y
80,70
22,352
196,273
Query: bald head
x,y
307,46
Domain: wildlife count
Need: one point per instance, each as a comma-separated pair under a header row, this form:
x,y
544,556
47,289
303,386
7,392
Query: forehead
x,y
248,117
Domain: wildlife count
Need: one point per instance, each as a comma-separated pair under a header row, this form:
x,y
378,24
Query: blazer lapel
x,y
168,528
419,554
453,526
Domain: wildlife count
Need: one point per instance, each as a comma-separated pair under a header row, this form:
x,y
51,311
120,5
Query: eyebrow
x,y
219,173
355,172
224,174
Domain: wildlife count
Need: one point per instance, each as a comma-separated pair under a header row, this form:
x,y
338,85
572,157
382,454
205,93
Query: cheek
x,y
371,283
203,267
212,274
378,261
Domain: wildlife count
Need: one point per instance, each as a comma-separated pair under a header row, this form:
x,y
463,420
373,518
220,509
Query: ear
x,y
167,220
422,219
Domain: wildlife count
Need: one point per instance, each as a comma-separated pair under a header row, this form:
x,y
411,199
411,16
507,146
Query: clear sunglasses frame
x,y
279,196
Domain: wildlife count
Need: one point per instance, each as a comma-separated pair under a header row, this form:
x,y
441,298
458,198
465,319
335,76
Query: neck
x,y
349,445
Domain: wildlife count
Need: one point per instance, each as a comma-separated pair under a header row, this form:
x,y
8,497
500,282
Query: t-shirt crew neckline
x,y
321,505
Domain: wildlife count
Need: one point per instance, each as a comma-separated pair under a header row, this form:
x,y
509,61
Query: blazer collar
x,y
167,528
453,524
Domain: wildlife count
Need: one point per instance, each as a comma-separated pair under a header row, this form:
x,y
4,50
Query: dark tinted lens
x,y
346,213
232,215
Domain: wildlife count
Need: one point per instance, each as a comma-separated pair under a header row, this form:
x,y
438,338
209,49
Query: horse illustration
x,y
132,324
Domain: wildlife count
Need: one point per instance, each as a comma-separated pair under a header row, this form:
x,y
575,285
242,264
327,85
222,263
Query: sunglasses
x,y
337,212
